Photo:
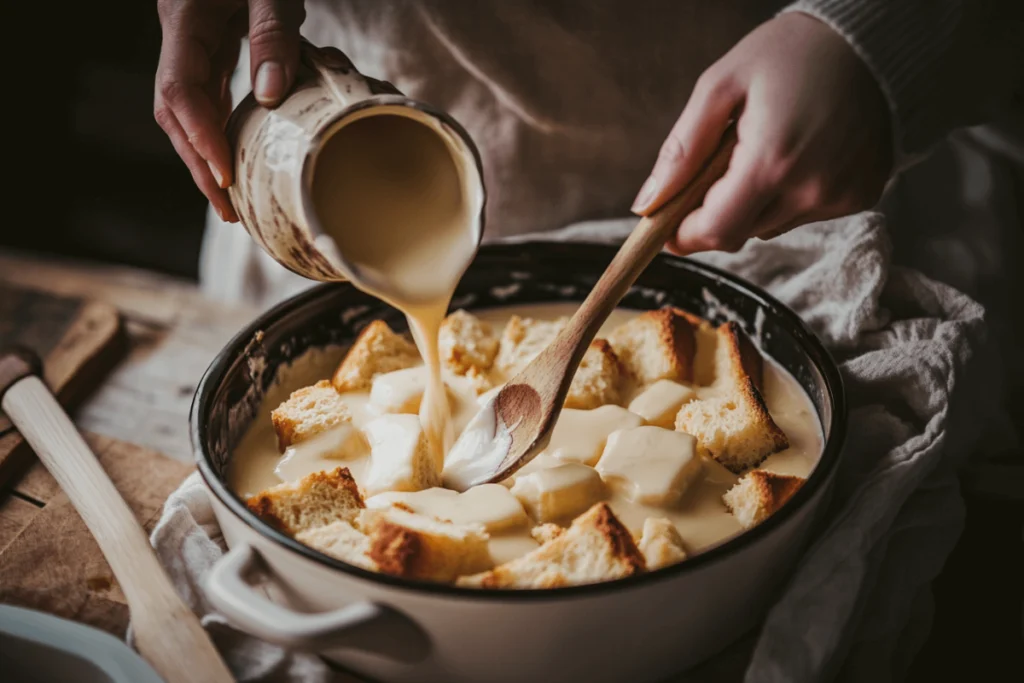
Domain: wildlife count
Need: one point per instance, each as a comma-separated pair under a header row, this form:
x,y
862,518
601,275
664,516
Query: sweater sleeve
x,y
941,64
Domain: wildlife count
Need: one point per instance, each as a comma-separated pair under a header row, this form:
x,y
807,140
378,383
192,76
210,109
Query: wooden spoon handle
x,y
167,633
644,243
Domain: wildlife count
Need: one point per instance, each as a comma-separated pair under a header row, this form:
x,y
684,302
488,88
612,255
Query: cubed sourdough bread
x,y
377,350
468,346
732,425
657,345
316,500
598,379
596,547
759,494
415,546
309,411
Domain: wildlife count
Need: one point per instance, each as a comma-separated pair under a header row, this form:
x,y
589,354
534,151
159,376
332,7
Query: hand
x,y
201,39
814,138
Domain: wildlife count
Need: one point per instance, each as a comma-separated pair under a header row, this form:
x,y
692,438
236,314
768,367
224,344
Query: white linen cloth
x,y
916,362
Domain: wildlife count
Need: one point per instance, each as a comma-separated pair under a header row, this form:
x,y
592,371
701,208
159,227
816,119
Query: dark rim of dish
x,y
818,478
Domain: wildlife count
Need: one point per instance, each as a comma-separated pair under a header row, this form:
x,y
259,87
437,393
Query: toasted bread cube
x,y
542,533
521,341
650,465
657,345
759,494
579,435
733,425
661,543
737,360
558,492
467,344
376,351
400,457
341,541
413,546
598,379
307,412
490,505
595,548
660,402
316,500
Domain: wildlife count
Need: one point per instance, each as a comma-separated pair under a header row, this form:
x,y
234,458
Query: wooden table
x,y
174,332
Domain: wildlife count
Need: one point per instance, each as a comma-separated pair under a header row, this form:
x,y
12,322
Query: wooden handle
x,y
167,633
640,248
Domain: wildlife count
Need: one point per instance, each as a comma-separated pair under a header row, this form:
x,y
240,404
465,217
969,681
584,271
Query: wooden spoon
x,y
515,425
167,633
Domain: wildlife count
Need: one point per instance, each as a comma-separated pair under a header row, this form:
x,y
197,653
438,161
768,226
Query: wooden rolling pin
x,y
167,633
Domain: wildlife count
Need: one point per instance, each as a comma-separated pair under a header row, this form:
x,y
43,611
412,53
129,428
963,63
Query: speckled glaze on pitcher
x,y
275,153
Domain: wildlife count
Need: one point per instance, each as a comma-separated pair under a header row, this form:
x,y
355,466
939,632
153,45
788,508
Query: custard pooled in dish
x,y
676,435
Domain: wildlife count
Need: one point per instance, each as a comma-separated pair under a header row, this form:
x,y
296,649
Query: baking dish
x,y
642,628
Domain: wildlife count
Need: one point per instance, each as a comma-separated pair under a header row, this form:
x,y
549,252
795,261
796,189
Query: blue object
x,y
40,648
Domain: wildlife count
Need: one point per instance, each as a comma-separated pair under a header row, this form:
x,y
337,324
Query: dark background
x,y
97,179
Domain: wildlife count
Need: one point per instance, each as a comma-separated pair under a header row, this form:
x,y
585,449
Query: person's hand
x,y
201,39
814,138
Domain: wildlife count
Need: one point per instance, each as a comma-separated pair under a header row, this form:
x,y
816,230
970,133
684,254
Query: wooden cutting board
x,y
79,341
48,559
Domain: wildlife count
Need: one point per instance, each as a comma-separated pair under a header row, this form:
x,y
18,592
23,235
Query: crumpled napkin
x,y
912,354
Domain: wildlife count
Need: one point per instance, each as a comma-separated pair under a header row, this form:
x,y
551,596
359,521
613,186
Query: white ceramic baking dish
x,y
638,629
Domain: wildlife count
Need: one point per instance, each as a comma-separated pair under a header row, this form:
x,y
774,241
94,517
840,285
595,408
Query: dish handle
x,y
365,625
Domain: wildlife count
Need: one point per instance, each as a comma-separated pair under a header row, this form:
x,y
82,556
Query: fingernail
x,y
217,175
647,192
269,85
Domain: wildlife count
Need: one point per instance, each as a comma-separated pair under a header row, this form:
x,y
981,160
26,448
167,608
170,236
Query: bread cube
x,y
759,494
522,340
308,412
316,500
660,402
400,457
598,378
661,543
595,548
414,546
733,425
467,344
558,492
341,541
650,465
376,351
542,533
579,435
657,345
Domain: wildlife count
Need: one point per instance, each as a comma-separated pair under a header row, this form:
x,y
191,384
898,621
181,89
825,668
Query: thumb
x,y
692,140
274,47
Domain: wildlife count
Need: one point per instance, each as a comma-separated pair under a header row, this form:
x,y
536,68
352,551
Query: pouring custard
x,y
402,201
676,436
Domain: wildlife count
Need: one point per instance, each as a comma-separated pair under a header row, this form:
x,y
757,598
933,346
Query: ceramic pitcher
x,y
275,153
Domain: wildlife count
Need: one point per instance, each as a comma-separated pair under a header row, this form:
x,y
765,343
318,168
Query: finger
x,y
726,219
274,47
182,74
201,174
691,141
